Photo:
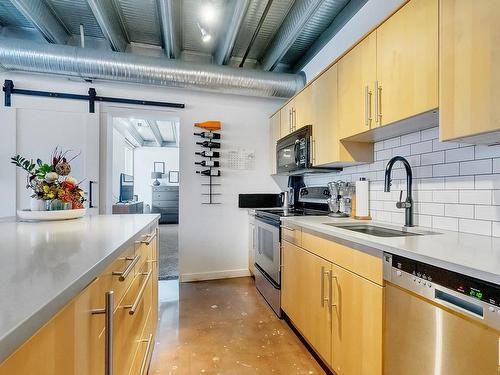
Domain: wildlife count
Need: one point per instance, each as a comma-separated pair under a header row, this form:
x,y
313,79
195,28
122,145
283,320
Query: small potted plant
x,y
53,188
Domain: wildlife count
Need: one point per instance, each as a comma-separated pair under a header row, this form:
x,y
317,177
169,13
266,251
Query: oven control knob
x,y
429,285
492,309
414,279
419,281
424,282
399,273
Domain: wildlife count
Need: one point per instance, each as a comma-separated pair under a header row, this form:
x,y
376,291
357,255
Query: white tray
x,y
50,215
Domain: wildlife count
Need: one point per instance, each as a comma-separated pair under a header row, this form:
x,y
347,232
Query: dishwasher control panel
x,y
478,299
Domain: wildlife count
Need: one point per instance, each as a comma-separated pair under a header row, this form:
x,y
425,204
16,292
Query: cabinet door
x,y
302,110
286,119
407,62
275,134
356,79
325,125
469,78
356,324
305,296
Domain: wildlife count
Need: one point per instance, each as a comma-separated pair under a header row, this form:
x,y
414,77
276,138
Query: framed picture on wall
x,y
159,166
173,177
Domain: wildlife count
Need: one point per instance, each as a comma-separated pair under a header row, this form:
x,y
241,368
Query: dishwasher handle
x,y
458,303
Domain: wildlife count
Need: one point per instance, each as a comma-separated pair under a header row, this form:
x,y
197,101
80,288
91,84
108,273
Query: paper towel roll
x,y
362,199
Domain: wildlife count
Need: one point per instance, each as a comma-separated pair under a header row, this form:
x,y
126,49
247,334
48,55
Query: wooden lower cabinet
x,y
73,341
339,312
356,324
306,297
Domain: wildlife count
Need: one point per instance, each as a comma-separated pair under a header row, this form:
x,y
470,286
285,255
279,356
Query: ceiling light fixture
x,y
205,35
208,12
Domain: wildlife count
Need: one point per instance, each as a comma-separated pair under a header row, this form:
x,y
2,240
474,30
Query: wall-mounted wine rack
x,y
210,155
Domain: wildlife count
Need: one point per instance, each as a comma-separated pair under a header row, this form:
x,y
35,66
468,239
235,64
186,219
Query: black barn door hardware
x,y
92,97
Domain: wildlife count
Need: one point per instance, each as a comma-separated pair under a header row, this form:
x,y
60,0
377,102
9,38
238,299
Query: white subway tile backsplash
x,y
439,146
459,210
476,167
410,138
459,154
475,196
456,186
445,196
484,152
496,165
446,223
474,226
491,213
421,147
461,182
432,158
432,133
445,170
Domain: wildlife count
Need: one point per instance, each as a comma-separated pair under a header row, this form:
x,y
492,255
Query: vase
x,y
37,204
57,205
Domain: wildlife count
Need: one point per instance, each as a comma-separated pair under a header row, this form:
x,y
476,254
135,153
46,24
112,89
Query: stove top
x,y
277,213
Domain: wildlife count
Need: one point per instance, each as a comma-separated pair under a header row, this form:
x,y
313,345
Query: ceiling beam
x,y
44,20
226,43
156,132
289,31
344,16
169,12
109,21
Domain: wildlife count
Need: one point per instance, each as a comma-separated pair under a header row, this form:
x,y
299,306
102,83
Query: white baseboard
x,y
187,277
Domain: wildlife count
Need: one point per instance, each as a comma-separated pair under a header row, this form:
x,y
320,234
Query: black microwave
x,y
293,152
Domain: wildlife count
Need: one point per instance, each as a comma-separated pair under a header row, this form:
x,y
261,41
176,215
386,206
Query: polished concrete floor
x,y
224,327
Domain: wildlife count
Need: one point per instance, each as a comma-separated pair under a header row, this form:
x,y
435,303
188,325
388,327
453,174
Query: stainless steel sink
x,y
379,231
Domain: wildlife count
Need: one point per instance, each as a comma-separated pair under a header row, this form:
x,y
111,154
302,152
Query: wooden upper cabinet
x,y
356,80
286,118
469,77
356,324
407,62
325,147
275,134
303,109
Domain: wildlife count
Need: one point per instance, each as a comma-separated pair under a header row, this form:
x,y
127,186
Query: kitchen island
x,y
59,272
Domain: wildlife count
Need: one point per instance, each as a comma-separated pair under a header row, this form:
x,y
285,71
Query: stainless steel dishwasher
x,y
439,322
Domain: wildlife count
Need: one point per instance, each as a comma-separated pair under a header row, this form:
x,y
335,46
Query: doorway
x,y
145,154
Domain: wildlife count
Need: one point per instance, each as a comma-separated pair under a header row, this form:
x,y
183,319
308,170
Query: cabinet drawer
x,y
111,280
145,346
166,197
292,234
127,327
356,261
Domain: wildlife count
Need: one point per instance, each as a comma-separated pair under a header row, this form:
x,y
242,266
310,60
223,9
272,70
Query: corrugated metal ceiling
x,y
141,24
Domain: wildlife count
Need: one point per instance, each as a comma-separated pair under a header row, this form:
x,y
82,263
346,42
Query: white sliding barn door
x,y
34,127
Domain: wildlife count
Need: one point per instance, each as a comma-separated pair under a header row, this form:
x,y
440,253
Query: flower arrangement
x,y
52,182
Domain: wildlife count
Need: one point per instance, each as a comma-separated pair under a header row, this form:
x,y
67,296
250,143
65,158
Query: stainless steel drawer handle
x,y
287,228
108,345
138,298
144,364
123,274
149,238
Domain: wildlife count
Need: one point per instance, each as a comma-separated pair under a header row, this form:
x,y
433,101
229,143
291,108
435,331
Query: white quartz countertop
x,y
44,265
469,254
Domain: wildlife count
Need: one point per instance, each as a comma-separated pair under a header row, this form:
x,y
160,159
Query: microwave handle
x,y
296,151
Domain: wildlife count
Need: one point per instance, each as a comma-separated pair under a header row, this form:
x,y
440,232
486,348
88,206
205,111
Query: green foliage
x,y
24,163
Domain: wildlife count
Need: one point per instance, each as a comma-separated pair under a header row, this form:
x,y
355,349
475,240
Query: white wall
x,y
455,186
144,157
369,16
212,238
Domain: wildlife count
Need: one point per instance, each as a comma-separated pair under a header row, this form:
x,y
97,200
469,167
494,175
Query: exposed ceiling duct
x,y
109,22
115,66
288,32
169,14
43,19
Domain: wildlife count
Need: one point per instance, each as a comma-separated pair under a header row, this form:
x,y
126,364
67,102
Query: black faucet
x,y
408,203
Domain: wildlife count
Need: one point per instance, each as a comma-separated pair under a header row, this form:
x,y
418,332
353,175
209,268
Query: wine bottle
x,y
209,144
208,135
209,172
208,163
208,125
208,154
